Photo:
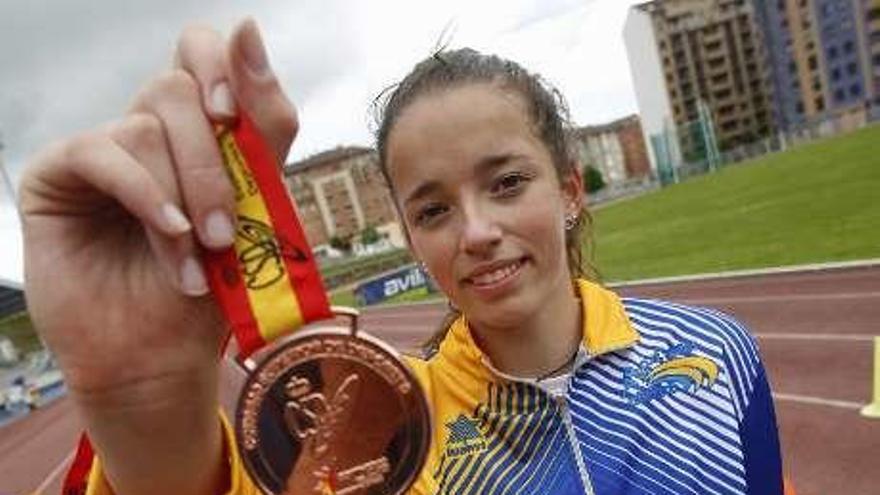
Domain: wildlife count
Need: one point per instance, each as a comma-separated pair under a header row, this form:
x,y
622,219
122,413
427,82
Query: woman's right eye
x,y
429,214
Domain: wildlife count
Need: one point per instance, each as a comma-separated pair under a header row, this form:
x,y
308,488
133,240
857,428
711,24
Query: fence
x,y
705,157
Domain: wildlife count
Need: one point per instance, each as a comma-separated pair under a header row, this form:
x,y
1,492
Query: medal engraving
x,y
353,479
329,412
313,419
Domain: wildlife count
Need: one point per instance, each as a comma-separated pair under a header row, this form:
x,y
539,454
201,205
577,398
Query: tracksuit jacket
x,y
671,400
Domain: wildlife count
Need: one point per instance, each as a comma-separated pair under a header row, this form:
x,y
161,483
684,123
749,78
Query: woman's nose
x,y
480,232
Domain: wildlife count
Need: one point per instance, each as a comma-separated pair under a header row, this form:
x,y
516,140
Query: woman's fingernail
x,y
219,229
175,220
252,49
192,278
222,103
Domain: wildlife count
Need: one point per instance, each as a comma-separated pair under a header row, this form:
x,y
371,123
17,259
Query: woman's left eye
x,y
509,184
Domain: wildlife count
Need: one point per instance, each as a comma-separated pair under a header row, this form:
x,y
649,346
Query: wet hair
x,y
547,113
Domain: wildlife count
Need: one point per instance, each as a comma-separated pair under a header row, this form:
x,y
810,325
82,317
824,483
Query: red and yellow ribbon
x,y
268,284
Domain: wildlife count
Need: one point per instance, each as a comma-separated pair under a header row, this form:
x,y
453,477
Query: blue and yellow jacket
x,y
671,400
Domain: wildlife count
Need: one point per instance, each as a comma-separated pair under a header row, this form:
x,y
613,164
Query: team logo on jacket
x,y
464,437
677,369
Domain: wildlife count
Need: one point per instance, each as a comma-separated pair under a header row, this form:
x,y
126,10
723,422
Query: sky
x,y
67,66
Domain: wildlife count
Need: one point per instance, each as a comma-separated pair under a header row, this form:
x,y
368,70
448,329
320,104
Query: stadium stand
x,y
11,298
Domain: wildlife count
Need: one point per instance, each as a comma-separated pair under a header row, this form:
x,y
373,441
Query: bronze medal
x,y
327,411
333,411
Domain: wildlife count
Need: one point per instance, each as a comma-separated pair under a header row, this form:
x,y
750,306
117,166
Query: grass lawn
x,y
19,329
815,203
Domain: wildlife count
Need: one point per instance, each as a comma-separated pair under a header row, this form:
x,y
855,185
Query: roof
x,y
613,126
11,300
646,6
10,284
327,157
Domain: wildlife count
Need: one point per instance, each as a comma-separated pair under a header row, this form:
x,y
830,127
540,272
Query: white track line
x,y
781,298
813,267
55,472
817,401
843,337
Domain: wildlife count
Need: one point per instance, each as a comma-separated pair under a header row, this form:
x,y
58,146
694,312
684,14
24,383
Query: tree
x,y
369,235
340,243
593,180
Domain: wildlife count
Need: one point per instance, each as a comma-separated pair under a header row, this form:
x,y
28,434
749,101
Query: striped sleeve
x,y
757,425
760,441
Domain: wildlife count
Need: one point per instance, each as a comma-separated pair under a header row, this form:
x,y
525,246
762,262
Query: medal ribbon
x,y
268,283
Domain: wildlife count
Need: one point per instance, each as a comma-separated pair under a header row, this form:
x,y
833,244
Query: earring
x,y
571,221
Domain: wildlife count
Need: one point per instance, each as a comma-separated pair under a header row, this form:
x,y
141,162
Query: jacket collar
x,y
606,328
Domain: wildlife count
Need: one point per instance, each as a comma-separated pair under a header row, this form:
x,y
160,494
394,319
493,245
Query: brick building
x,y
616,149
339,193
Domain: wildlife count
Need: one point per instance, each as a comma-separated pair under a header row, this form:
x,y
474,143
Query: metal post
x,y
872,410
708,131
6,179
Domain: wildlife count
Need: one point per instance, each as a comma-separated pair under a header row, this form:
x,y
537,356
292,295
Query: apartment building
x,y
820,60
712,70
340,192
616,149
868,27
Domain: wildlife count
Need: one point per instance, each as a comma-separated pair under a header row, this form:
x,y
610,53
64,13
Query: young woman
x,y
541,381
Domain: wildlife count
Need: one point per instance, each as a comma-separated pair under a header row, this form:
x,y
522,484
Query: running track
x,y
814,330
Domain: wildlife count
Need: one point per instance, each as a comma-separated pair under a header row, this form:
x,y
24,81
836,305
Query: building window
x,y
835,74
852,68
855,90
839,95
820,104
848,47
832,52
812,63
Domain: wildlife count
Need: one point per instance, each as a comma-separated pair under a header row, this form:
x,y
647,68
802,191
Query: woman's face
x,y
481,201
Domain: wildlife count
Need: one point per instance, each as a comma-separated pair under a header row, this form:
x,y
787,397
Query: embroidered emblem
x,y
676,369
464,437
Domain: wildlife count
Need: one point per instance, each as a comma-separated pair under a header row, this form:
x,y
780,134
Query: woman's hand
x,y
114,222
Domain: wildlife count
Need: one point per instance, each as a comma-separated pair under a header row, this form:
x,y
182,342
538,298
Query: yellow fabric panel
x,y
240,483
606,325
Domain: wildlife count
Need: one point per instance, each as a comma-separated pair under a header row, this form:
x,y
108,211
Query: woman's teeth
x,y
497,275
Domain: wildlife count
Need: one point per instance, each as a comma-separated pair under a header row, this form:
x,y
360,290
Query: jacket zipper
x,y
573,441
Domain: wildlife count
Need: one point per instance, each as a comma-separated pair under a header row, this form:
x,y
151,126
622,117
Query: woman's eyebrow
x,y
485,166
489,164
424,189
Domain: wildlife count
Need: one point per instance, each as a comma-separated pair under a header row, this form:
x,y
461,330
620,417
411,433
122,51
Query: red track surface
x,y
813,328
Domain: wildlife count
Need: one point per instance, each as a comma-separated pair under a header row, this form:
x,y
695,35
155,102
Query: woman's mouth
x,y
496,275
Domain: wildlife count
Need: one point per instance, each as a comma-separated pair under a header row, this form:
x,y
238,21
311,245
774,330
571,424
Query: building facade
x,y
617,149
868,27
821,62
713,65
339,193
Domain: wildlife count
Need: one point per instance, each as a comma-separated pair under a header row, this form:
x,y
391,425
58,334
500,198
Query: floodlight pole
x,y
7,181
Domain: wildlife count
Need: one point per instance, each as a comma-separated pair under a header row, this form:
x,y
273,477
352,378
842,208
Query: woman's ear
x,y
573,189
